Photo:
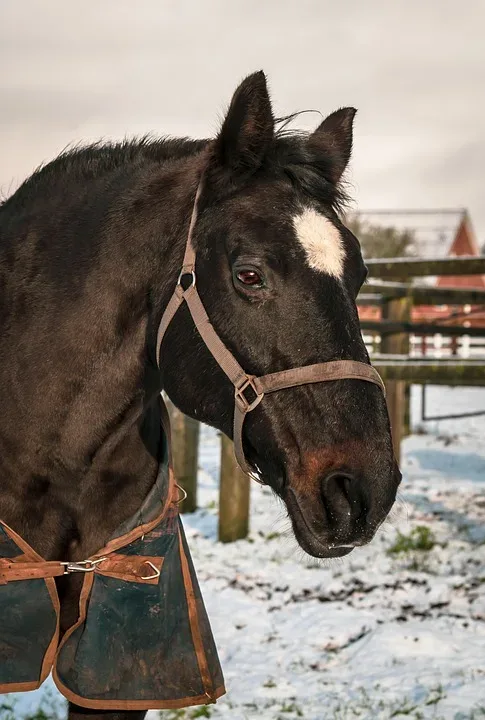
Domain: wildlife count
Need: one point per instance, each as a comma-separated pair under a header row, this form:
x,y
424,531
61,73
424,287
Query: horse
x,y
91,246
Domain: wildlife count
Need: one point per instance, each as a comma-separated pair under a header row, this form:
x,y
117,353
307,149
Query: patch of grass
x,y
7,710
313,564
436,694
406,708
421,430
270,683
368,706
186,714
291,708
418,563
201,712
50,708
273,535
421,538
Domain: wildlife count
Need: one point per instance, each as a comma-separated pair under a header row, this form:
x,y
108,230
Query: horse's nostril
x,y
341,495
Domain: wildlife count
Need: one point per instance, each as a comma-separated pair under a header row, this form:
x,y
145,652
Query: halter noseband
x,y
258,386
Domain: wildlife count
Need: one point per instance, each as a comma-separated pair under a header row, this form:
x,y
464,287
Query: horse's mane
x,y
289,154
96,159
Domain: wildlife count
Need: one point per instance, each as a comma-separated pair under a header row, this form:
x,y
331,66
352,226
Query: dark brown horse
x,y
90,249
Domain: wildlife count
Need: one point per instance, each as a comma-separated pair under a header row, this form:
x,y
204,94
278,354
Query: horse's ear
x,y
246,133
334,138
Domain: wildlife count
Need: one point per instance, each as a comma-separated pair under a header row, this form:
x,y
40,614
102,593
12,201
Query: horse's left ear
x,y
334,138
245,135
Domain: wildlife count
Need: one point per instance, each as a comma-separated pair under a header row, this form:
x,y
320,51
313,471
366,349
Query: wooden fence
x,y
397,368
395,328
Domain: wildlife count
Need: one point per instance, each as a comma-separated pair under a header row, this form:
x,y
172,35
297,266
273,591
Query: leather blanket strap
x,y
22,567
29,618
142,640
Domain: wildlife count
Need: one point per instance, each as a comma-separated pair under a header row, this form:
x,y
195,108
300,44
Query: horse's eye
x,y
250,277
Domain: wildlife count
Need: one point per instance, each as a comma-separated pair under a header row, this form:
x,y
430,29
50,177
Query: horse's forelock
x,y
308,166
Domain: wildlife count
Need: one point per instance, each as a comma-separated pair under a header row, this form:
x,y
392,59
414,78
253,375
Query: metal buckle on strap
x,y
184,494
81,566
243,403
155,574
183,274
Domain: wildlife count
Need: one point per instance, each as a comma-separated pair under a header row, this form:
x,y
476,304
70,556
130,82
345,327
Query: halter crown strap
x,y
249,390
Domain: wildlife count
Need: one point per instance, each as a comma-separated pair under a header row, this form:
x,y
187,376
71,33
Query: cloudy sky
x,y
74,71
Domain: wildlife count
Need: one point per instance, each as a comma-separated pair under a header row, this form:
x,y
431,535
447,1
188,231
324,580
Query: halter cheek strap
x,y
249,390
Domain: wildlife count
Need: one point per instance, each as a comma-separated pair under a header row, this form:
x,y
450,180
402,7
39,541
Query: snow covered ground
x,y
376,635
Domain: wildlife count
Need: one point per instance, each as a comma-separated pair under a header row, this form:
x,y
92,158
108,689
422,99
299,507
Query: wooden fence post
x,y
185,447
233,496
397,309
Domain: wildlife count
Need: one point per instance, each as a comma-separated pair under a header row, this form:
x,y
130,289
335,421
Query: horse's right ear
x,y
244,138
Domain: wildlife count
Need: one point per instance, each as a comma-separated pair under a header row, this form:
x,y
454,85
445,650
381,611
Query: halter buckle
x,y
243,403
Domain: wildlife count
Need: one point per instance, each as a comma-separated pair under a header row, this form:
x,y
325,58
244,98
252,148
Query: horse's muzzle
x,y
339,512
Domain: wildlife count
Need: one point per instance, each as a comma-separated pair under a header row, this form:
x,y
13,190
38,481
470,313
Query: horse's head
x,y
278,274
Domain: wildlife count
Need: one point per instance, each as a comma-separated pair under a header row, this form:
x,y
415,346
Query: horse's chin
x,y
312,546
306,538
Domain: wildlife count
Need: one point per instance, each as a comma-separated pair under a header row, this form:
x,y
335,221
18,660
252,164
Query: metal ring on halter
x,y
183,274
179,487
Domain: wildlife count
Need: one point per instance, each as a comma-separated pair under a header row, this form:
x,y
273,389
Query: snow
x,y
375,635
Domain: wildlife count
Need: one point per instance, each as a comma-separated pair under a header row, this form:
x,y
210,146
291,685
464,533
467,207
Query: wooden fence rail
x,y
411,267
431,372
391,326
422,294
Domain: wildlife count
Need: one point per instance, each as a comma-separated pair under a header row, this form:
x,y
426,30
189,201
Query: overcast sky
x,y
74,71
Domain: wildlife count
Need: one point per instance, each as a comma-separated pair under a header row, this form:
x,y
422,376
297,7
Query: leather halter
x,y
257,386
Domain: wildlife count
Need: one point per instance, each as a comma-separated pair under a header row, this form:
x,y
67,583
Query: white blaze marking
x,y
321,241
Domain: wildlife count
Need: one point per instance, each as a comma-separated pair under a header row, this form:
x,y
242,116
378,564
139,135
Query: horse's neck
x,y
79,433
